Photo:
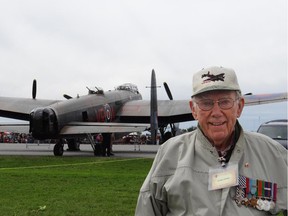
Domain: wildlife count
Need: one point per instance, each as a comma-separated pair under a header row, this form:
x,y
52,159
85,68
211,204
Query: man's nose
x,y
216,108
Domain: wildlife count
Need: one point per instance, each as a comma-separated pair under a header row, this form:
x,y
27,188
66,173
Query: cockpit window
x,y
128,87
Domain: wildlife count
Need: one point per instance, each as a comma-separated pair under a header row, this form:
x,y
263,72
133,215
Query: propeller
x,y
168,91
153,108
174,127
34,89
67,96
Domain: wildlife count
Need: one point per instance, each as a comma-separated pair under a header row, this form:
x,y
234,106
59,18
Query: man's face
x,y
217,123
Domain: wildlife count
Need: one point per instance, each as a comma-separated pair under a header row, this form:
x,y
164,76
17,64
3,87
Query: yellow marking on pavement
x,y
66,165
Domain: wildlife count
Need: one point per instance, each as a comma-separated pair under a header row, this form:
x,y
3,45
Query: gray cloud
x,y
68,45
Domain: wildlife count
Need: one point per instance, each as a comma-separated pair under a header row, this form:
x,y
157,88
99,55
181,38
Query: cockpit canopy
x,y
128,87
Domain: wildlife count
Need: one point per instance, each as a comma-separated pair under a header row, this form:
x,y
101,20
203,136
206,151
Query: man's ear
x,y
241,104
192,107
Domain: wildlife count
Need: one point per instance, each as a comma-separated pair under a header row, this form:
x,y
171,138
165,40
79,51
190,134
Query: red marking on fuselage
x,y
105,114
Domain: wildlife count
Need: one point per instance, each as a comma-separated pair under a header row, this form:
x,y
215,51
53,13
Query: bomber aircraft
x,y
119,110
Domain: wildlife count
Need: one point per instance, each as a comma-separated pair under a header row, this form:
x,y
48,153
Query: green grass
x,y
70,185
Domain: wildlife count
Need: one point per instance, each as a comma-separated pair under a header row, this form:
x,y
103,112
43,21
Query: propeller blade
x,y
67,96
153,109
168,91
174,127
34,89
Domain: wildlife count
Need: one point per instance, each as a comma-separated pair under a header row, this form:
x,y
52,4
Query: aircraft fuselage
x,y
46,122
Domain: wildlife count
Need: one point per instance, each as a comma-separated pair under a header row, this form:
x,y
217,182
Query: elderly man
x,y
218,169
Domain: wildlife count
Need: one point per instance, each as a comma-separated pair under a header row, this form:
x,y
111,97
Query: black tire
x,y
73,145
98,149
58,149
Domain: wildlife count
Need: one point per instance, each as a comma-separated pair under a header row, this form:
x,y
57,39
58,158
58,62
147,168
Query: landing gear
x,y
59,148
102,147
73,145
106,151
98,149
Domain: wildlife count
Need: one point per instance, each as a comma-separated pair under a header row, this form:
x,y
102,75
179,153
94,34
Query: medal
x,y
253,202
240,190
266,205
256,193
260,204
253,186
272,205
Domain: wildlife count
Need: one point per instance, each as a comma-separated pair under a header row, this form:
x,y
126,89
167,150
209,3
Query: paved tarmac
x,y
44,149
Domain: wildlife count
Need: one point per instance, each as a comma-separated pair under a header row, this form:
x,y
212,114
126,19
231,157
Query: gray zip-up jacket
x,y
177,183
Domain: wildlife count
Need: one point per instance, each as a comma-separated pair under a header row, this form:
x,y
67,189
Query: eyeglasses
x,y
208,104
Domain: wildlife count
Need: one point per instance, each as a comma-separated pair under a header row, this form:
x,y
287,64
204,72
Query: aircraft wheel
x,y
58,150
73,145
98,149
96,153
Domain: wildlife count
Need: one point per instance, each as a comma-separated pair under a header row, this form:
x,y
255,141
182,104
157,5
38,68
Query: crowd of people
x,y
10,137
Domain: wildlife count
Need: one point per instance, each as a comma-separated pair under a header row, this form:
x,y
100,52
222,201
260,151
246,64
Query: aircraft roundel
x,y
107,109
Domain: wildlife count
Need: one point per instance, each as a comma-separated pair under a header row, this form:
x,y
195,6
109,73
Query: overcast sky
x,y
67,44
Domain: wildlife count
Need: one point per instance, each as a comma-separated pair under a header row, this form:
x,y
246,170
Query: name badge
x,y
223,177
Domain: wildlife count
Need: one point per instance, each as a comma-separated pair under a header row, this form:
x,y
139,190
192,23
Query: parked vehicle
x,y
276,129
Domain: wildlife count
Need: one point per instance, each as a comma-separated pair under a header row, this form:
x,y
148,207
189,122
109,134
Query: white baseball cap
x,y
214,78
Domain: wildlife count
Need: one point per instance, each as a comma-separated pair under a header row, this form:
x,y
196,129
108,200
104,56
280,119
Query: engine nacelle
x,y
43,123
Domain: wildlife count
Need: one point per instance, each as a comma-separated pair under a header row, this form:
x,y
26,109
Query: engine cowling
x,y
43,123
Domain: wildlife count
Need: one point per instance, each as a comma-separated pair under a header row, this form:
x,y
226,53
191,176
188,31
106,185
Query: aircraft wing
x,y
20,108
78,128
264,98
172,111
169,111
